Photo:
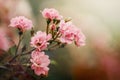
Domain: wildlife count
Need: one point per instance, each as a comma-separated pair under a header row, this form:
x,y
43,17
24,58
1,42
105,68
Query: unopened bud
x,y
68,19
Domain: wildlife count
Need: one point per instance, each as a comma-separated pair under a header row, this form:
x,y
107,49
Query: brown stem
x,y
28,52
20,39
55,37
52,33
47,28
53,46
21,55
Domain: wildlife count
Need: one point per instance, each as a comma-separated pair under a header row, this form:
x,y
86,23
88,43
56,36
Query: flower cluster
x,y
71,33
67,30
59,32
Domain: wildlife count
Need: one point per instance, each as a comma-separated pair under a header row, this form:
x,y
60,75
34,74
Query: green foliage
x,y
4,56
53,62
12,50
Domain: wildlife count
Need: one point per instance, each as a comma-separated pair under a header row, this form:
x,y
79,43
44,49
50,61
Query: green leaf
x,y
53,62
12,50
4,56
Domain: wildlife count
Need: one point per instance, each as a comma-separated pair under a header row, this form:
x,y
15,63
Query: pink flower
x,y
67,32
40,62
40,40
51,14
21,22
79,38
4,42
70,33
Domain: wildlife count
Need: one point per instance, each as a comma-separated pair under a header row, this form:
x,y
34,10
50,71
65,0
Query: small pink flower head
x,y
79,38
40,62
51,14
40,40
22,23
53,27
67,31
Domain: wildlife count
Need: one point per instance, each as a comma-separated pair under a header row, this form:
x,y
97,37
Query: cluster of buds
x,y
59,32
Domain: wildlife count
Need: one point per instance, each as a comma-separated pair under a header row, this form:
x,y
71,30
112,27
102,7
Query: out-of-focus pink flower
x,y
70,33
40,62
21,23
79,38
5,43
40,40
67,31
51,14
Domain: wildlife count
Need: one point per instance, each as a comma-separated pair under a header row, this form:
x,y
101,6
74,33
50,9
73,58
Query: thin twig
x,y
54,46
21,55
47,28
28,52
20,39
55,37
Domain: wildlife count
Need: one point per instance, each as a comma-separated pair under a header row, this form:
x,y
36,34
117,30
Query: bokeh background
x,y
99,20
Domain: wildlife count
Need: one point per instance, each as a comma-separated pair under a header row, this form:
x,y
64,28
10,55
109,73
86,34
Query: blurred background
x,y
99,20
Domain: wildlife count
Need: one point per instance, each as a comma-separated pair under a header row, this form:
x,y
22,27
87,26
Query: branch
x,y
21,55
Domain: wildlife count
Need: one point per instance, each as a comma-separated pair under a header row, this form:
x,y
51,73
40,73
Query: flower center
x,y
38,44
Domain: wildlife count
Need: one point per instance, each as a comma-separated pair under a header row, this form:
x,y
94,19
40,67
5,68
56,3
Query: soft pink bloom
x,y
67,32
5,42
70,33
51,14
40,40
21,23
40,62
79,38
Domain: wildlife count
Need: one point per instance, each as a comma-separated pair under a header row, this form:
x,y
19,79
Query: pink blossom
x,y
51,14
79,38
67,31
70,33
21,23
5,42
40,40
40,62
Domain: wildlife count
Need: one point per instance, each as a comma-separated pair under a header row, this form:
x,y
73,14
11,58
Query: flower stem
x,y
47,29
20,39
56,37
21,55
28,52
54,46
